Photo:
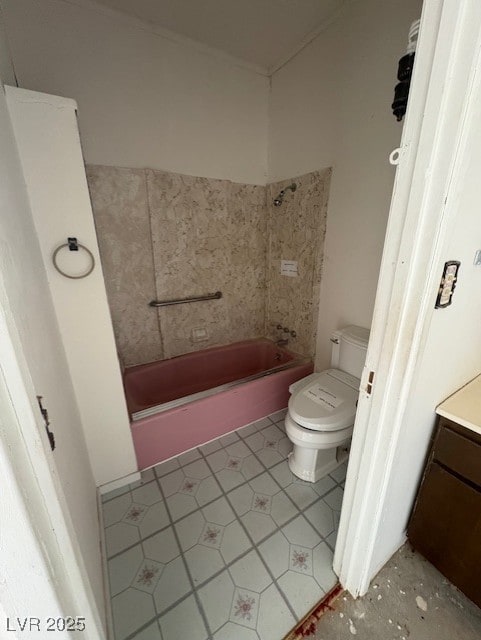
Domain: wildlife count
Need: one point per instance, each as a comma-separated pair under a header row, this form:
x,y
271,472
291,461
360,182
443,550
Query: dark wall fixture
x,y
404,73
401,90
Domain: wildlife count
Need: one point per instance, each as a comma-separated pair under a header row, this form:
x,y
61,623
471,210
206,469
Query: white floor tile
x,y
255,441
173,585
197,469
241,499
321,517
211,535
300,532
166,467
283,474
302,591
230,438
188,457
323,571
234,542
264,484
232,631
155,578
275,620
245,432
156,518
207,491
323,486
148,576
334,498
203,563
278,415
210,447
219,512
115,509
147,494
258,525
332,539
282,509
216,597
183,622
189,529
106,497
131,609
217,460
275,551
152,632
172,482
269,457
229,479
301,494
161,547
245,608
123,568
238,449
339,474
180,505
251,467
249,573
119,536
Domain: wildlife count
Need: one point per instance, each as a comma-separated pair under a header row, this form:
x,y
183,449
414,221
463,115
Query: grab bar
x,y
166,303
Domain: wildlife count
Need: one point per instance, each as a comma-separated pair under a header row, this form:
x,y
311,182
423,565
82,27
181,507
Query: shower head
x,y
280,198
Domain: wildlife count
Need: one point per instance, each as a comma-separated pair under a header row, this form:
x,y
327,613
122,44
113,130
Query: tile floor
x,y
221,542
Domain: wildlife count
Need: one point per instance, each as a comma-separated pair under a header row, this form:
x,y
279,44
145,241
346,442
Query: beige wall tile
x,y
296,232
165,235
119,202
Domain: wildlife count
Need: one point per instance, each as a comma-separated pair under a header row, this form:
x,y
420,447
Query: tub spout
x,y
283,342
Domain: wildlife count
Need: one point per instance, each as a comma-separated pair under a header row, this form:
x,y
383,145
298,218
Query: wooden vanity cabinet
x,y
445,525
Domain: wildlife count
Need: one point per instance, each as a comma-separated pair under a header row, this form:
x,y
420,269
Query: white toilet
x,y
322,408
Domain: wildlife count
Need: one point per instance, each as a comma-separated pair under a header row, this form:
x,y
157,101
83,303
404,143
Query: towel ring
x,y
69,246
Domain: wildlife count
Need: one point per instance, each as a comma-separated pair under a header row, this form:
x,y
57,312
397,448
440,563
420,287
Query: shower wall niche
x,y
164,235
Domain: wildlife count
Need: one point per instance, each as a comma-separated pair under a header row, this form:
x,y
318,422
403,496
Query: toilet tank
x,y
349,347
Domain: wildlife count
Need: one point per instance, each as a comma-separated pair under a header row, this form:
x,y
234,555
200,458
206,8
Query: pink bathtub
x,y
186,401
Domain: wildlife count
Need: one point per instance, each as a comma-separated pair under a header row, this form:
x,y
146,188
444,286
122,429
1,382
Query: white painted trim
x,y
420,218
120,482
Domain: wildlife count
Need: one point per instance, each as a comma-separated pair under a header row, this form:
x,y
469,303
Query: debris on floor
x,y
409,600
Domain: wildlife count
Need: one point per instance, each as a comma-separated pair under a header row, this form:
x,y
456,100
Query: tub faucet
x,y
282,342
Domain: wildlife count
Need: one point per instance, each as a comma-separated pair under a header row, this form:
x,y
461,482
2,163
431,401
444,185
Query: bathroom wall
x,y
296,232
165,235
330,106
146,99
208,235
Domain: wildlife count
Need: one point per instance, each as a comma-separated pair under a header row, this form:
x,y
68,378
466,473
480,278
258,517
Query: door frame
x,y
53,581
430,157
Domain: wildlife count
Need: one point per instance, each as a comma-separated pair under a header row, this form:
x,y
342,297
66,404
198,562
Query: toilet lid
x,y
324,403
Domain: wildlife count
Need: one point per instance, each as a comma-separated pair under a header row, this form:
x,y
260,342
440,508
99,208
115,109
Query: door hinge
x,y
44,412
370,382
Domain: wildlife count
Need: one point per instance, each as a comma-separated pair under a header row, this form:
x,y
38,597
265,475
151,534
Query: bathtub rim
x,y
179,402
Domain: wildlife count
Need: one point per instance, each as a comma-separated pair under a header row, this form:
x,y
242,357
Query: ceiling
x,y
264,33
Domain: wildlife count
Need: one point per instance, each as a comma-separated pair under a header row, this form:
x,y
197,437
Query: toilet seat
x,y
325,401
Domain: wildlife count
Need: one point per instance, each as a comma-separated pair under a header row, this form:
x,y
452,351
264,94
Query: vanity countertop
x,y
464,406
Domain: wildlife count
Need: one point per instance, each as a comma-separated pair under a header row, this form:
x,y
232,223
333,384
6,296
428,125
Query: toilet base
x,y
313,464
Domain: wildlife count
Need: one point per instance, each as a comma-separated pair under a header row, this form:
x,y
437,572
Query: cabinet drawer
x,y
459,453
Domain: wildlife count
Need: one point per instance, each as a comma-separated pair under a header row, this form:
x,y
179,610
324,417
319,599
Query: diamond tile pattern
x,y
222,542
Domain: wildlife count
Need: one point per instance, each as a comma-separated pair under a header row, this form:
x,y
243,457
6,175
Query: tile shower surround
x,y
221,542
166,235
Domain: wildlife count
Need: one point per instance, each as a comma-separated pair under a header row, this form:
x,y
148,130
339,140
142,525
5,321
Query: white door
x,y
432,154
